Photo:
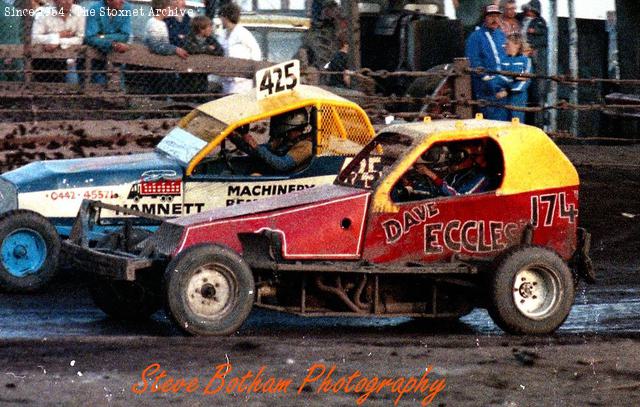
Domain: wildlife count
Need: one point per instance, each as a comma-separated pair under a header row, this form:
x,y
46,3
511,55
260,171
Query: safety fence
x,y
80,83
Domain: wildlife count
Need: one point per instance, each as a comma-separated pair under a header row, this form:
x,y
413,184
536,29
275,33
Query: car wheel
x,y
126,300
209,290
531,291
29,251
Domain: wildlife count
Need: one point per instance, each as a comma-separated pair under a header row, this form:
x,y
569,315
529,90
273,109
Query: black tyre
x,y
531,291
29,251
126,300
209,290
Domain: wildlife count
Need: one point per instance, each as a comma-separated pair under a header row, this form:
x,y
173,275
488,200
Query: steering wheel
x,y
414,186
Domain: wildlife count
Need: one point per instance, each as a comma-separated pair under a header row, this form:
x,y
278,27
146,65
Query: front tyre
x,y
531,292
29,251
209,290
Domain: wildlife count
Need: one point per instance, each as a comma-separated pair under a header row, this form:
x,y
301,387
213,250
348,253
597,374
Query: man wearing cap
x,y
485,49
534,31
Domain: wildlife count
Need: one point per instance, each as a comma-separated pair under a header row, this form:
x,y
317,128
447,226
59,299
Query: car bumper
x,y
117,266
581,262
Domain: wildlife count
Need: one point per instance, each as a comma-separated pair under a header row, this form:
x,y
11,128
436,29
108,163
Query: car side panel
x,y
481,225
323,230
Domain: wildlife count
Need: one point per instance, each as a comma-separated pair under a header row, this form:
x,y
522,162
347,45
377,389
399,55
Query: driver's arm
x,y
297,155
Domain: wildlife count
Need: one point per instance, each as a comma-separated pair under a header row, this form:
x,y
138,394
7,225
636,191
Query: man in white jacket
x,y
59,26
237,42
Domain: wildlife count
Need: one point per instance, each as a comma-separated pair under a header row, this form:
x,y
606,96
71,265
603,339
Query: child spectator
x,y
201,39
514,89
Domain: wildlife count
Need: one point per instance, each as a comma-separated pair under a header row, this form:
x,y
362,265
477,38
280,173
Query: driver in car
x,y
289,147
467,174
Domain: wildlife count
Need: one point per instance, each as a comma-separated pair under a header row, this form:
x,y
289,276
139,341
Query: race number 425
x,y
277,79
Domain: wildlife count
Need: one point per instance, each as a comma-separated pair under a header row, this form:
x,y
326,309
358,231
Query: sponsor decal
x,y
163,184
394,229
244,193
476,236
166,209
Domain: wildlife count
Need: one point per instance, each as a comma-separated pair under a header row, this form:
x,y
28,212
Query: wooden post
x,y
353,18
462,88
27,23
552,69
573,64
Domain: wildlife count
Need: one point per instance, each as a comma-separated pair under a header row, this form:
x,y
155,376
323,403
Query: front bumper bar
x,y
79,250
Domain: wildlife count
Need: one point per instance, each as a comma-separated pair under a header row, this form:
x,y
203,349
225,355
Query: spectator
x,y
107,30
485,49
10,33
237,42
58,26
178,23
211,6
509,23
339,64
534,31
514,89
200,41
156,34
156,38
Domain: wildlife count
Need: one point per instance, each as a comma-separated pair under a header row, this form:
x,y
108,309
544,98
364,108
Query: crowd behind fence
x,y
140,82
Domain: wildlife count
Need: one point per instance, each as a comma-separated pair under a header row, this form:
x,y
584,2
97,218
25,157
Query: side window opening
x,y
452,168
282,135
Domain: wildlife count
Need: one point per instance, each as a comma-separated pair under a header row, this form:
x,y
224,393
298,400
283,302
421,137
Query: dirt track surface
x,y
57,349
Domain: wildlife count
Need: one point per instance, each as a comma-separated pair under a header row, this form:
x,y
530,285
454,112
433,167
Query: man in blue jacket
x,y
108,28
485,49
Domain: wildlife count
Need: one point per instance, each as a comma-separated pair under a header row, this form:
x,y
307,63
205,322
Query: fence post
x,y
27,23
552,41
573,64
462,88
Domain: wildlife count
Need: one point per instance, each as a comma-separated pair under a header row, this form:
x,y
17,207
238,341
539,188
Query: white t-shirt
x,y
48,23
239,43
156,30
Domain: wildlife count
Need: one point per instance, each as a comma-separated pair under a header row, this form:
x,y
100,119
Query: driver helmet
x,y
296,119
437,157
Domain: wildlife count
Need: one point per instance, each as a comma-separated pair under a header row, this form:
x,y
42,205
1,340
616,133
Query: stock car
x,y
194,168
363,246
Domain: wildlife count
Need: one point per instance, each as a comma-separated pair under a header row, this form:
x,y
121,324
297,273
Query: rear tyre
x,y
531,292
29,251
209,290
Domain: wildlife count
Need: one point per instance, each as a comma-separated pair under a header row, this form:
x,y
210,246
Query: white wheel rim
x,y
210,291
536,292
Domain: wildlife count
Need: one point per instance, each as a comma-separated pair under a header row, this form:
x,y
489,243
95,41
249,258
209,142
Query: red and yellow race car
x,y
429,220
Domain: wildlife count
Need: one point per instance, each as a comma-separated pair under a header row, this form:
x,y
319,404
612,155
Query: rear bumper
x,y
581,262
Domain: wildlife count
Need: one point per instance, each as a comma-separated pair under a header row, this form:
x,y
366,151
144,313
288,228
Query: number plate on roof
x,y
277,79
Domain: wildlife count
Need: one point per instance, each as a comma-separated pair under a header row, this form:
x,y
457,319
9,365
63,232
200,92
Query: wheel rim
x,y
23,252
211,291
536,292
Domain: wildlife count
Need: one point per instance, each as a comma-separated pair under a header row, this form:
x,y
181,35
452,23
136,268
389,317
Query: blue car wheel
x,y
29,251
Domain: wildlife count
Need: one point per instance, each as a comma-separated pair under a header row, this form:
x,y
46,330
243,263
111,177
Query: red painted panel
x,y
331,229
481,225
